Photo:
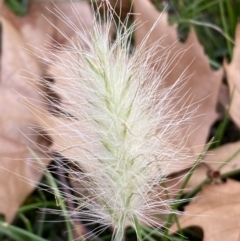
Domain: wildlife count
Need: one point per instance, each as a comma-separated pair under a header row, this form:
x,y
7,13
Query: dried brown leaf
x,y
81,20
233,75
16,64
19,175
216,211
19,172
44,25
21,83
200,90
33,27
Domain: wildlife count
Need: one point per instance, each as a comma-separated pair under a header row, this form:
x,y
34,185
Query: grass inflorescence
x,y
120,122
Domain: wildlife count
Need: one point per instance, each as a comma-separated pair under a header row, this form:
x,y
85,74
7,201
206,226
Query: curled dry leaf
x,y
233,76
18,172
216,211
198,90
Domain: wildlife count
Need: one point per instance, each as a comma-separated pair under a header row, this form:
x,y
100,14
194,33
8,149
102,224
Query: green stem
x,y
59,199
26,222
138,229
18,234
225,26
229,159
36,205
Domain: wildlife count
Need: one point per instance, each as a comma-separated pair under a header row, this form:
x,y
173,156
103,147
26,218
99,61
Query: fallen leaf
x,y
19,175
19,170
233,75
18,125
70,18
44,25
33,27
199,91
216,211
17,122
228,153
20,71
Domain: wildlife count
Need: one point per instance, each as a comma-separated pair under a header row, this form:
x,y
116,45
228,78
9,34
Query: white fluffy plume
x,y
122,126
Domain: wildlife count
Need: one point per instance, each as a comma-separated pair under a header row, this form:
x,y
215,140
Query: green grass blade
x,y
18,234
59,199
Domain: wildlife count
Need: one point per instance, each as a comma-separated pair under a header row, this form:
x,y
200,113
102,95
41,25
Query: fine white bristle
x,y
122,126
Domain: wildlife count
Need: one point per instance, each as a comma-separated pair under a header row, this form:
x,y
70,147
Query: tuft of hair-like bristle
x,y
122,125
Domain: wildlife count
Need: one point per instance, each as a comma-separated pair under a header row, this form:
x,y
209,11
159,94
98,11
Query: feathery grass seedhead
x,y
122,125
